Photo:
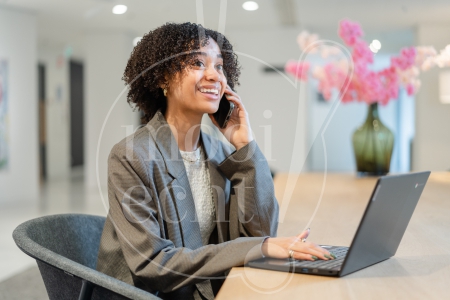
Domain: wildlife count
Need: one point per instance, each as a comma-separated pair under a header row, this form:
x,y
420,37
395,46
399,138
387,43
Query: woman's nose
x,y
212,74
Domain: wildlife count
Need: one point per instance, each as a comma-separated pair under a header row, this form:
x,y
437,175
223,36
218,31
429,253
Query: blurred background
x,y
64,104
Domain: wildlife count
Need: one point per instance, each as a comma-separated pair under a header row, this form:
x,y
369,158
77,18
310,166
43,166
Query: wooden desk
x,y
419,270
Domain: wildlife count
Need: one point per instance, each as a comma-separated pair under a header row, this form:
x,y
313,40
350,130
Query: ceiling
x,y
61,20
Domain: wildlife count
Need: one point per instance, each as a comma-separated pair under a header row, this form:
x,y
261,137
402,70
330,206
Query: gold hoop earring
x,y
165,92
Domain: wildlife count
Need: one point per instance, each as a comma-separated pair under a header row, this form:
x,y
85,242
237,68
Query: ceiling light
x,y
250,5
136,40
119,9
376,44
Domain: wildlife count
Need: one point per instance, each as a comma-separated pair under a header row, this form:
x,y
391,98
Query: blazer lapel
x,y
184,201
219,185
166,143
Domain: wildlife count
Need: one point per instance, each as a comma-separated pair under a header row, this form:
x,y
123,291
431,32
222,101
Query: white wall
x,y
57,110
106,55
334,153
283,102
18,45
431,149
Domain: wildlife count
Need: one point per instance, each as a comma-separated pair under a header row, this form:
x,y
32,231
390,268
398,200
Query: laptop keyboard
x,y
334,264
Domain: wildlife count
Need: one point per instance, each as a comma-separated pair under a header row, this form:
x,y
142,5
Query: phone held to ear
x,y
223,114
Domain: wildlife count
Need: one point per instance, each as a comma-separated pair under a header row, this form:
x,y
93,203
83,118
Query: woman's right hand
x,y
279,247
238,131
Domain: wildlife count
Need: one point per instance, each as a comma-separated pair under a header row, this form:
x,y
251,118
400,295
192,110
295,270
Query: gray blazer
x,y
151,238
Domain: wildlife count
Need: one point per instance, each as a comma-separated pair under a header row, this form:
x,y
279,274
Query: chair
x,y
65,248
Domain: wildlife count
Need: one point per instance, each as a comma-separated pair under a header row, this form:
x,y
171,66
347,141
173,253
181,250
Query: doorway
x,y
42,124
76,114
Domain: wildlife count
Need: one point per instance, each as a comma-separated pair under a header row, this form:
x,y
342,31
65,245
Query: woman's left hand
x,y
237,131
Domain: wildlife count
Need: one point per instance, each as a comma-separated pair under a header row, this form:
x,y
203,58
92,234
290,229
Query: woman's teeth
x,y
211,91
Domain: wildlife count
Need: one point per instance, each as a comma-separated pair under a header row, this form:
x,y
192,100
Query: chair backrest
x,y
65,248
76,237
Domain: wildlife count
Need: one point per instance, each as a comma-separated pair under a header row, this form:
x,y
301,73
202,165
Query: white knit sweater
x,y
199,180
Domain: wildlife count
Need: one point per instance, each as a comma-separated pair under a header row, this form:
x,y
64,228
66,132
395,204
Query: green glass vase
x,y
373,143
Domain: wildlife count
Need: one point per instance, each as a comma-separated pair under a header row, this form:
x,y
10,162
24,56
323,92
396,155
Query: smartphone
x,y
223,114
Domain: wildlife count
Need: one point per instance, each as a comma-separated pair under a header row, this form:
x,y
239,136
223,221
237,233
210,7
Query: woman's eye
x,y
199,63
220,67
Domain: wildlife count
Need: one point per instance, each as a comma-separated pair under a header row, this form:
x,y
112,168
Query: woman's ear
x,y
165,83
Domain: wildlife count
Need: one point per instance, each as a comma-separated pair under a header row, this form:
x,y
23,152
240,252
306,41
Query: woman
x,y
184,209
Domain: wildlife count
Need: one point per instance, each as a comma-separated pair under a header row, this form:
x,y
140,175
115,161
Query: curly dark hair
x,y
164,52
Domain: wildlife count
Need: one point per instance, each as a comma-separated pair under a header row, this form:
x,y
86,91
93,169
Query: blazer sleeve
x,y
153,260
253,206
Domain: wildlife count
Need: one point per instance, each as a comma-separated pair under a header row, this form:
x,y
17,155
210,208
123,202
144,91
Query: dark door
x,y
76,114
42,122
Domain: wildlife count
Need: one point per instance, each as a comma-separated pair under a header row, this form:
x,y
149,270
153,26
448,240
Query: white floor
x,y
58,196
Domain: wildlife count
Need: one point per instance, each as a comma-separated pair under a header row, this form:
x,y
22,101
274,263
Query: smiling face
x,y
200,88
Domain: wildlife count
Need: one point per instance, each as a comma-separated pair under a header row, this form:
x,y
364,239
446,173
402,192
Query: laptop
x,y
380,231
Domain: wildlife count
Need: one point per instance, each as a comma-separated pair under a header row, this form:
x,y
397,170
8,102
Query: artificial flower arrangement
x,y
352,76
364,84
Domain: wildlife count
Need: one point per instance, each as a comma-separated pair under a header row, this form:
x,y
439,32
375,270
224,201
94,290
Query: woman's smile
x,y
210,91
